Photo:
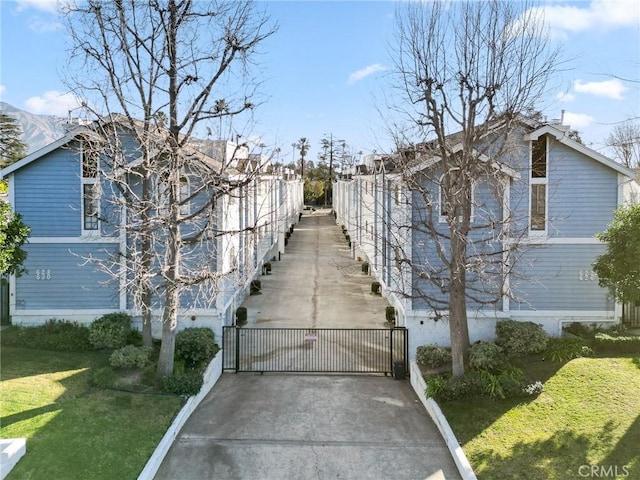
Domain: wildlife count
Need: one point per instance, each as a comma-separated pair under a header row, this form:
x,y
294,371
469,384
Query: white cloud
x,y
2,89
609,88
365,72
577,120
565,97
53,103
596,15
44,5
39,25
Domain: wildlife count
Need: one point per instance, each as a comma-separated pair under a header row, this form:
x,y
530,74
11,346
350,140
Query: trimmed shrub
x,y
255,287
186,384
520,338
390,314
195,346
365,267
580,329
565,349
104,378
486,356
58,335
508,383
241,315
376,288
110,331
605,343
432,356
131,356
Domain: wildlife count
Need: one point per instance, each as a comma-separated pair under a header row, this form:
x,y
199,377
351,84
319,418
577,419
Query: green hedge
x,y
520,338
604,343
58,335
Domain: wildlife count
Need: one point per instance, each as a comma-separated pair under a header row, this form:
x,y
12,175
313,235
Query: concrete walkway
x,y
280,427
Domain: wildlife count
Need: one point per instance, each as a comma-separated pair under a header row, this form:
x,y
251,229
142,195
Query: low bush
x,y
580,329
58,335
565,349
110,331
486,356
432,356
390,314
195,346
104,378
605,343
187,384
507,383
241,315
376,288
131,356
520,338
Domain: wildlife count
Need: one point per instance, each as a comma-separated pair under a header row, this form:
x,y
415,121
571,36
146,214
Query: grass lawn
x,y
587,414
75,431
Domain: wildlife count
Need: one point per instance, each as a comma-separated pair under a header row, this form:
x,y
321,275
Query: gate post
x,y
237,349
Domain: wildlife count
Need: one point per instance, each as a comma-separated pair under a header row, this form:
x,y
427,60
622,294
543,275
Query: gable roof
x,y
61,142
81,131
561,136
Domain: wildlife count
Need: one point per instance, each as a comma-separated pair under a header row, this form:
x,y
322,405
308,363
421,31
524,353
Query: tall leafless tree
x,y
625,142
165,68
464,73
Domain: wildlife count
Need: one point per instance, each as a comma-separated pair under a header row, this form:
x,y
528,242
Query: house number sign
x,y
587,276
43,274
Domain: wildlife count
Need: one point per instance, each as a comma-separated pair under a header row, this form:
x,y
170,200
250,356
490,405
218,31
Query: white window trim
x,y
443,218
539,181
93,232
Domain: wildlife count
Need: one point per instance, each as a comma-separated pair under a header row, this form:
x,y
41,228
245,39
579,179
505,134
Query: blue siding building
x,y
554,194
76,267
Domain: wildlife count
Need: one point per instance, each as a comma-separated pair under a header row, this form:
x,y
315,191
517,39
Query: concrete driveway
x,y
280,427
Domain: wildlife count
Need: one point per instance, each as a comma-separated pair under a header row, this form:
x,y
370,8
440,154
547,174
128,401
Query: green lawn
x,y
75,431
588,415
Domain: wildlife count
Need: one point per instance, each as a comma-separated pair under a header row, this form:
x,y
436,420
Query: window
x,y
538,206
90,206
446,203
538,185
185,193
90,194
163,197
539,158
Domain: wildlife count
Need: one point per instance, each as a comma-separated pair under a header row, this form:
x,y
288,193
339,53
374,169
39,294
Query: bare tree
x,y
625,142
465,71
165,68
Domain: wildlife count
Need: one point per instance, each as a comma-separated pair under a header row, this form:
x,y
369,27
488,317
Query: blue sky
x,y
326,68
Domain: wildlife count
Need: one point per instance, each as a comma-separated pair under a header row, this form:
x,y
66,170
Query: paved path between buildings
x,y
281,427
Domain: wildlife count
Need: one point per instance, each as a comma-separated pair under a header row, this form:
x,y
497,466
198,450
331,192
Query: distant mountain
x,y
37,130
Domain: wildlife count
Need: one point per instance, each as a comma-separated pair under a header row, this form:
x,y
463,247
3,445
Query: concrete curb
x,y
460,459
211,376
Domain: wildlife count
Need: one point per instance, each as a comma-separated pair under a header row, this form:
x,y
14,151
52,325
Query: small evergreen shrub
x,y
565,349
432,356
579,329
486,356
241,315
390,314
520,338
58,335
186,384
131,356
376,288
110,331
195,346
365,267
506,383
606,343
255,287
104,378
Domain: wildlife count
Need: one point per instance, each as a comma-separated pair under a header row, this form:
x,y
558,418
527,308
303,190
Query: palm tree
x,y
303,146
